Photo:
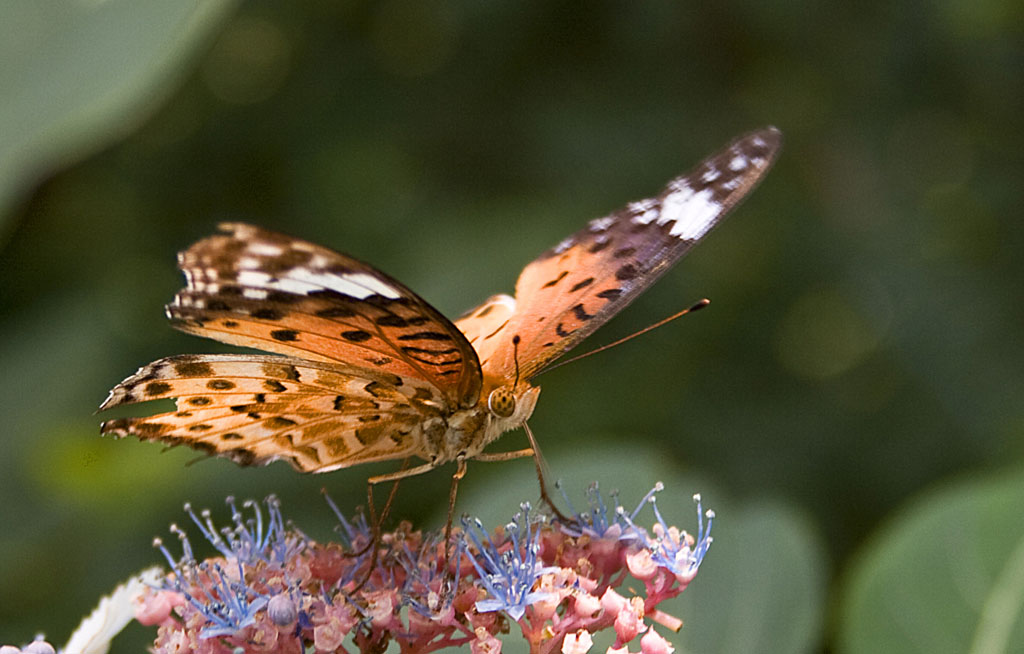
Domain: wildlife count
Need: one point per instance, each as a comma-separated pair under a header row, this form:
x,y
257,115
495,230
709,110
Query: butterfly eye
x,y
501,402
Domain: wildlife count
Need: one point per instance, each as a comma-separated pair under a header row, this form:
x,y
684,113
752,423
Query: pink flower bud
x,y
630,621
586,583
156,608
641,565
485,643
612,602
577,643
653,643
685,576
327,637
381,608
586,605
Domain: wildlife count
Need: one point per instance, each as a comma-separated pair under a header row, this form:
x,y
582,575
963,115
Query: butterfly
x,y
362,369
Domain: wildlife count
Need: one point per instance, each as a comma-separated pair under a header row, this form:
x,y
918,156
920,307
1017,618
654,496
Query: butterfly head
x,y
512,405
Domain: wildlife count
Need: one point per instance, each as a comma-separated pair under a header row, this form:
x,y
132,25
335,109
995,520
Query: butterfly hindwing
x,y
256,288
256,409
575,287
484,325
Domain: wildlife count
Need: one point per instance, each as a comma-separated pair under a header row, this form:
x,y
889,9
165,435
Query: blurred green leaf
x,y
77,75
946,576
761,587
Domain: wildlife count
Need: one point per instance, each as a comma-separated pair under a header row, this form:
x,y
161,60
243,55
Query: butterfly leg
x,y
376,522
460,472
402,474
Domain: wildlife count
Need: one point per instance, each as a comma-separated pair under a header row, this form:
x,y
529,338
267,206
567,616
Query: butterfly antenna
x,y
696,307
515,358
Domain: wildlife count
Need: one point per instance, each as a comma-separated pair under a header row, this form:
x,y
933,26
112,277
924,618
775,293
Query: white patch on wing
x,y
601,224
644,211
302,281
357,285
254,278
739,162
693,213
265,249
647,216
248,263
565,245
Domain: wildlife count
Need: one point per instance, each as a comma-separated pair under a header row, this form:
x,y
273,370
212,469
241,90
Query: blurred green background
x,y
859,374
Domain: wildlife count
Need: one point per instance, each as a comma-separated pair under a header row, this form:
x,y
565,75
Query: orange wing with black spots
x,y
578,285
257,409
484,326
259,289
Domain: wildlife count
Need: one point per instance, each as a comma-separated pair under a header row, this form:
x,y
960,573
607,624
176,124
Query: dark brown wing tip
x,y
767,141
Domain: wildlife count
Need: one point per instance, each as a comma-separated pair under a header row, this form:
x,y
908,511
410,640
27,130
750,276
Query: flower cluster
x,y
274,589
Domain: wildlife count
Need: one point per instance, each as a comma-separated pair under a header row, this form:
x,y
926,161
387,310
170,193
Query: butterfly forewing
x,y
256,409
575,287
264,290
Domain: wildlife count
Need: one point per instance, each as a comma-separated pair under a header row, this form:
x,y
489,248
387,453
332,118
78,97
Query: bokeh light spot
x,y
822,336
249,62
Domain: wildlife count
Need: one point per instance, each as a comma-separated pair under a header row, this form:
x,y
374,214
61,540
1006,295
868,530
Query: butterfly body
x,y
363,369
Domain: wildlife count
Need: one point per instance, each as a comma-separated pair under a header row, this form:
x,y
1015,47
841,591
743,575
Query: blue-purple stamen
x,y
508,576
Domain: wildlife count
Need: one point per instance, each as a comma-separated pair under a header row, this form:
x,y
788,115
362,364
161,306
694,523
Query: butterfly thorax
x,y
466,432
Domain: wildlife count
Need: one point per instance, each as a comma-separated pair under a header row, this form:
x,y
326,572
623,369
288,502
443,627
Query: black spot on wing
x,y
581,313
335,312
278,422
554,281
626,272
284,335
267,314
193,369
376,389
157,388
356,336
581,285
425,336
392,320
